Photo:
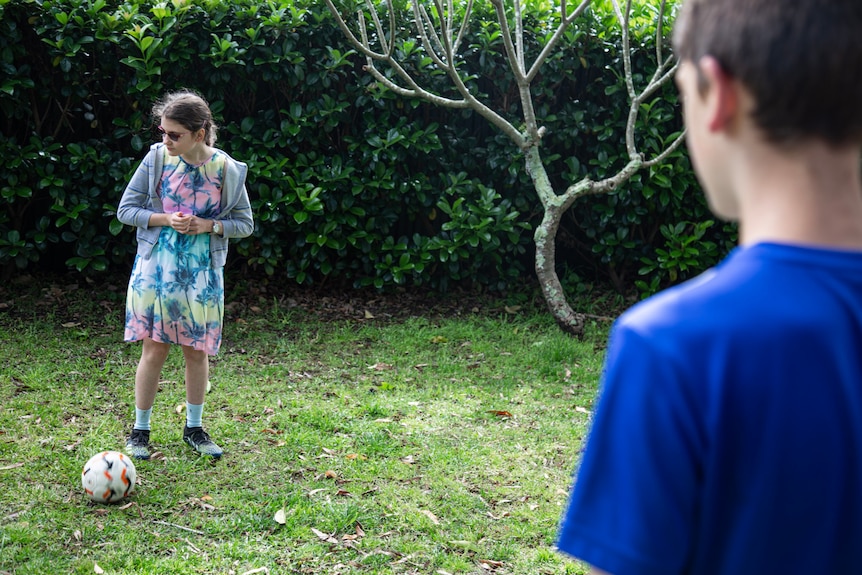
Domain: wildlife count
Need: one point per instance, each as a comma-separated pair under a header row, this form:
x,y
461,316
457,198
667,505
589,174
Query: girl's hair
x,y
189,109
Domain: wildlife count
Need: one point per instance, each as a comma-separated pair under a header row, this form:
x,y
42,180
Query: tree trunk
x,y
545,237
555,298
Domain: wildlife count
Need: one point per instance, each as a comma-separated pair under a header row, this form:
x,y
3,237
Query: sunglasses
x,y
174,136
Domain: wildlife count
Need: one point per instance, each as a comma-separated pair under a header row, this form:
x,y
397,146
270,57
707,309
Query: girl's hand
x,y
180,222
191,225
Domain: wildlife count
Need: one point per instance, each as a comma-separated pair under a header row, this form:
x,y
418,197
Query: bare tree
x,y
441,37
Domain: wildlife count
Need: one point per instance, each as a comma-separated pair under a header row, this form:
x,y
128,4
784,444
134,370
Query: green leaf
x,y
115,227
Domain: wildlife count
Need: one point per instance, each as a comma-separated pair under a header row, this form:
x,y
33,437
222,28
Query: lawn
x,y
362,434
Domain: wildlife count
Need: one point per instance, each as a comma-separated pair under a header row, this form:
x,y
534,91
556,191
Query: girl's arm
x,y
134,208
239,223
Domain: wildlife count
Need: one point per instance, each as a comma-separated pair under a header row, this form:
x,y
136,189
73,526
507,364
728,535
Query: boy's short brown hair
x,y
801,60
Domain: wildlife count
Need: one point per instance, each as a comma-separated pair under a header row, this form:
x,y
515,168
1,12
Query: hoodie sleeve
x,y
237,220
135,206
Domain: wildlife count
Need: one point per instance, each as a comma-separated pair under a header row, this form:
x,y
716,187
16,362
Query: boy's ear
x,y
721,94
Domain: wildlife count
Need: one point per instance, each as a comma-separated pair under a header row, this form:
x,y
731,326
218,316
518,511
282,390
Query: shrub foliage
x,y
349,183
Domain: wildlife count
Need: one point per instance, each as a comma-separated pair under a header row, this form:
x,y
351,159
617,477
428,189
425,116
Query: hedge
x,y
350,184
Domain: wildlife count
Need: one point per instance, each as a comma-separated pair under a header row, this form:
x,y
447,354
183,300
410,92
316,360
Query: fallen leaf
x,y
97,569
157,456
380,366
280,516
75,324
324,536
180,407
368,315
258,570
13,466
499,413
206,498
77,534
355,456
580,409
430,516
330,474
408,460
439,339
512,308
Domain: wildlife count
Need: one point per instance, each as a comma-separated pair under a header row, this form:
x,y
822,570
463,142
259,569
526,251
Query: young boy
x,y
728,435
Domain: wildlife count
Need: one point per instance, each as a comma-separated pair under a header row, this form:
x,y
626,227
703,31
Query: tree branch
x,y
467,13
668,151
424,25
508,44
348,33
661,76
555,39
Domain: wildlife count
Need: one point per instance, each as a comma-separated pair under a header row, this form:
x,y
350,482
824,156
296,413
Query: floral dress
x,y
176,296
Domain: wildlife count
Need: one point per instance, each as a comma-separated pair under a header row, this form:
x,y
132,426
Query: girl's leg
x,y
197,374
153,356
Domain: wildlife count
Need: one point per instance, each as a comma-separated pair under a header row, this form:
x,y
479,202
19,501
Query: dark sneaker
x,y
200,441
138,444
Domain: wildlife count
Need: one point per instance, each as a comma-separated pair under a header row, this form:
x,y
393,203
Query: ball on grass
x,y
108,477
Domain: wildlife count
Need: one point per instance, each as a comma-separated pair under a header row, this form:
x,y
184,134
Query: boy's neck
x,y
811,195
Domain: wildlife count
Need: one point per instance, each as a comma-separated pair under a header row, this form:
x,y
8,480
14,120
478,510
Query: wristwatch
x,y
216,228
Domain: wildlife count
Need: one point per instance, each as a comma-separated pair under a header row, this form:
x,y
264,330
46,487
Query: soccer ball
x,y
108,477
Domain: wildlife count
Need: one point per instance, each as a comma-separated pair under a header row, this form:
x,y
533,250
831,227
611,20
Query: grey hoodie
x,y
140,201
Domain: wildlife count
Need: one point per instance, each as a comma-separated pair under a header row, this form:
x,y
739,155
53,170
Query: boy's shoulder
x,y
754,288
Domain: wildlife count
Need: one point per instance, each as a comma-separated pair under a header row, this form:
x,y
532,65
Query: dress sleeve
x,y
634,508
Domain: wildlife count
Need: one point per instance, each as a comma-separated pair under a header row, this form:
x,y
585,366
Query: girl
x,y
185,199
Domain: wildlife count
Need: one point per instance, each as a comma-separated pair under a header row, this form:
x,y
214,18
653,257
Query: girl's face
x,y
178,139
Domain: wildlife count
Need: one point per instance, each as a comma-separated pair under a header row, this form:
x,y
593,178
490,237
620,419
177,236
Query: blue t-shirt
x,y
728,434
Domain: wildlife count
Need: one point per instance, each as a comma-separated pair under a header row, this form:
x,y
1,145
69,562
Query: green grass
x,y
427,444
